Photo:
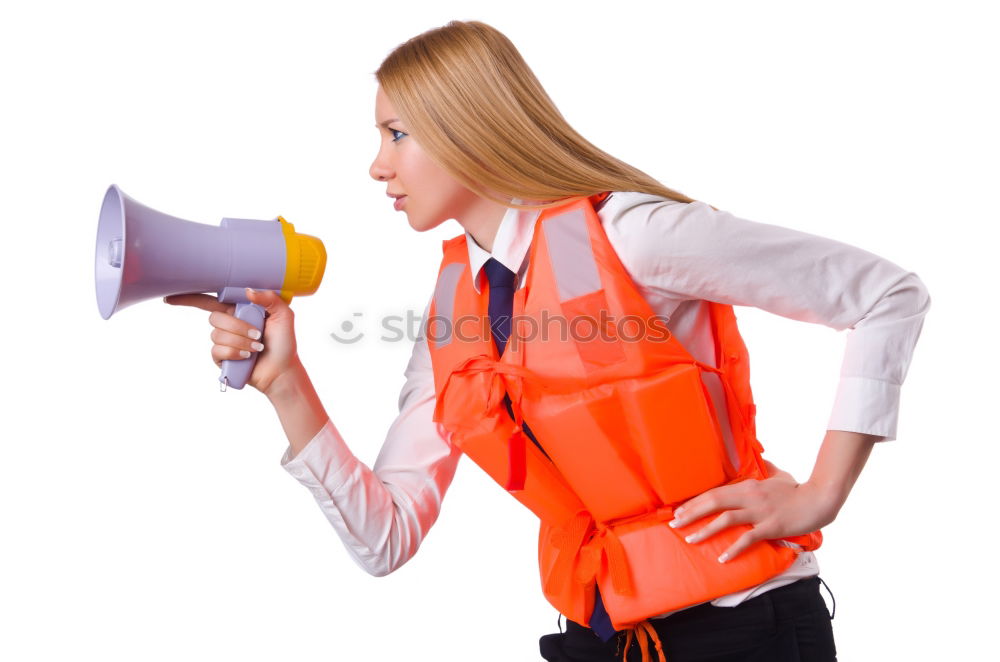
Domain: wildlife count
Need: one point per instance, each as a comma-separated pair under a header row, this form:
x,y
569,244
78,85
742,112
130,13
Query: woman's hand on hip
x,y
776,507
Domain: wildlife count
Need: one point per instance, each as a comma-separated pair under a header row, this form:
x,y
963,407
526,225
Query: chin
x,y
423,225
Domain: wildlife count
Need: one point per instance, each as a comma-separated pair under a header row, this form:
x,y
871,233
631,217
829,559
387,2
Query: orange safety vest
x,y
618,405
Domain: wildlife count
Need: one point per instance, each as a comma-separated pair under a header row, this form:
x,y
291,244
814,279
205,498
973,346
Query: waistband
x,y
786,601
777,604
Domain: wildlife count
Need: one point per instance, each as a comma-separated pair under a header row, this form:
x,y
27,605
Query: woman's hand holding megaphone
x,y
276,350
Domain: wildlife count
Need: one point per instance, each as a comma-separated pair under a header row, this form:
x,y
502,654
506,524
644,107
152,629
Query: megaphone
x,y
143,254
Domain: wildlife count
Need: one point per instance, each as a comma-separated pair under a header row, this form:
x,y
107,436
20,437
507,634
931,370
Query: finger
x,y
236,340
269,301
233,325
203,301
222,353
720,523
716,499
754,535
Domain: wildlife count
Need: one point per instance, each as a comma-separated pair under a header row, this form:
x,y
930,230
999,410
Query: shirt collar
x,y
510,245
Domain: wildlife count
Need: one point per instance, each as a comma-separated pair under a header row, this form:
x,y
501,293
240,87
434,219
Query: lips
x,y
398,204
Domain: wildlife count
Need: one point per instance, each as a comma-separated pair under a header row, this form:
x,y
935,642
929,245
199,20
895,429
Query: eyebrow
x,y
386,123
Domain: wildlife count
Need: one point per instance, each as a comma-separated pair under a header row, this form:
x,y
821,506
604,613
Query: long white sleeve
x,y
690,251
383,514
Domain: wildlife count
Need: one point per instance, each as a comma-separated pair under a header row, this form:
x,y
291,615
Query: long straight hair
x,y
476,108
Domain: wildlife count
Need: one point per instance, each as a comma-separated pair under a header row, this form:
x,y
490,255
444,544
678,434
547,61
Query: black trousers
x,y
786,624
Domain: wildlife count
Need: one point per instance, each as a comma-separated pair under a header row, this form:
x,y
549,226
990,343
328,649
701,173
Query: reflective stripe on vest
x,y
444,302
571,255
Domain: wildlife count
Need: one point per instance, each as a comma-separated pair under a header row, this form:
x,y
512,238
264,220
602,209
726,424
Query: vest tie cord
x,y
605,543
504,378
496,387
647,629
585,539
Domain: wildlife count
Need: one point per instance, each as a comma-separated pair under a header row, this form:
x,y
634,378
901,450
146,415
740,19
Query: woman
x,y
467,132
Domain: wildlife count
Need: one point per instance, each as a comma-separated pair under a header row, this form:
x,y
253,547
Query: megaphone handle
x,y
235,373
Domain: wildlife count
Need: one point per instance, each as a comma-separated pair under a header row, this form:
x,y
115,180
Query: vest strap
x,y
568,540
517,458
589,541
606,543
482,363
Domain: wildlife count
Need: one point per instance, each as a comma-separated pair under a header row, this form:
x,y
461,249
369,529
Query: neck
x,y
482,221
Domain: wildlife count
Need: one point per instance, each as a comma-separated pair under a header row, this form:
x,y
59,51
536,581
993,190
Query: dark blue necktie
x,y
501,307
501,301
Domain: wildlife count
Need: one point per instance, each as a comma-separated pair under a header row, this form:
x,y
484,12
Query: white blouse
x,y
679,255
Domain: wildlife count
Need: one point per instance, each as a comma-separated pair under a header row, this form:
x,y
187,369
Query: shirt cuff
x,y
869,406
323,463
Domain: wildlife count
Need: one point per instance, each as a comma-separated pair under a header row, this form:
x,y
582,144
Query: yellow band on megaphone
x,y
305,262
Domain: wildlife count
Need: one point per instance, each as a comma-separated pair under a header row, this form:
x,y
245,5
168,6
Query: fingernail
x,y
724,557
692,537
678,511
244,353
250,290
254,333
674,523
257,346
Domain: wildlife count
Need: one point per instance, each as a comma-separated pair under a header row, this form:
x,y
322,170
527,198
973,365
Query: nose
x,y
380,169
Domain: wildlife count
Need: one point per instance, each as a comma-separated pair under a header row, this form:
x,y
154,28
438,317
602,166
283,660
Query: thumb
x,y
267,299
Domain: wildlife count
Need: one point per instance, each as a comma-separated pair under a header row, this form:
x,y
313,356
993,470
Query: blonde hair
x,y
471,101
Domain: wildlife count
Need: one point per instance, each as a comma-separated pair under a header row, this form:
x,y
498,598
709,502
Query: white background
x,y
144,514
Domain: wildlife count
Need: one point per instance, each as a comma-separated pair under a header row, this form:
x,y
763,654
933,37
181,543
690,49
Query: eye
x,y
394,132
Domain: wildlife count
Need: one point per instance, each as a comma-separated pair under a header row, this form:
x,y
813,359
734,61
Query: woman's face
x,y
432,195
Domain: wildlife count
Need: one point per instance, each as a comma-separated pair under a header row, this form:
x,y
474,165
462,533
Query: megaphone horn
x,y
144,254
